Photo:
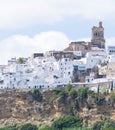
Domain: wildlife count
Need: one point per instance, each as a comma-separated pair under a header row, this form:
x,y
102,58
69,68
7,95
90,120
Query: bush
x,y
73,93
75,128
21,60
36,94
68,88
46,128
9,128
28,126
90,92
112,98
67,122
99,100
78,128
82,93
59,92
98,125
104,125
109,125
56,93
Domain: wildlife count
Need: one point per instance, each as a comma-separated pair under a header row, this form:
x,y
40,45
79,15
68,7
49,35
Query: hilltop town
x,y
53,90
81,64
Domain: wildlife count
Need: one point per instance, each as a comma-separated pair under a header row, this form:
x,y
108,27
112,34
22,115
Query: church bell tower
x,y
98,36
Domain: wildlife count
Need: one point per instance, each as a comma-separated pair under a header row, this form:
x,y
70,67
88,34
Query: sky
x,y
31,26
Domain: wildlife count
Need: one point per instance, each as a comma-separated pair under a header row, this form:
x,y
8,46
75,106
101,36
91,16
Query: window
x,y
65,59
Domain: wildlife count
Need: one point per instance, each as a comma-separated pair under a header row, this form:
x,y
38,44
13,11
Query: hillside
x,y
44,107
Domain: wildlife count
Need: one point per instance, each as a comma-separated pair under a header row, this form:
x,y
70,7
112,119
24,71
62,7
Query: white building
x,y
111,50
111,58
37,72
95,57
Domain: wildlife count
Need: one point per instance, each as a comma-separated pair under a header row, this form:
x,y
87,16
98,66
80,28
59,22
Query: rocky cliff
x,y
21,107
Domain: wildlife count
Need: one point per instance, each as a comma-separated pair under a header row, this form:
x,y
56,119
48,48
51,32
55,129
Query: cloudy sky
x,y
28,26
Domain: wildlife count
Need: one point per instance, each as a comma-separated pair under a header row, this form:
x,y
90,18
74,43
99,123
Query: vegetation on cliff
x,y
57,109
66,123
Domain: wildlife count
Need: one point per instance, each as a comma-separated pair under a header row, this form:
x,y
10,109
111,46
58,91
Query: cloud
x,y
26,13
24,46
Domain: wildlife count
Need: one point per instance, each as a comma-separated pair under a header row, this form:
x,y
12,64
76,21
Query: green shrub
x,y
100,100
21,60
28,126
56,93
90,92
9,128
68,88
78,128
67,122
59,92
104,125
98,125
112,98
36,94
46,128
109,125
82,93
73,93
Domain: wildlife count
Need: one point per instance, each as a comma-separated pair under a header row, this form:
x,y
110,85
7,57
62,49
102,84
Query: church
x,y
97,41
98,36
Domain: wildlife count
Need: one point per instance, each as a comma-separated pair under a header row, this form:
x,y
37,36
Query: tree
x,y
36,94
73,93
68,88
112,98
21,60
82,93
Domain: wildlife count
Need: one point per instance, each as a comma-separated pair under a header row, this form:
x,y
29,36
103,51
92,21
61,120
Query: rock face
x,y
20,106
15,104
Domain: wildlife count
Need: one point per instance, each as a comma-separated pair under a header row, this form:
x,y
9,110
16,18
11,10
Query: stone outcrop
x,y
20,106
